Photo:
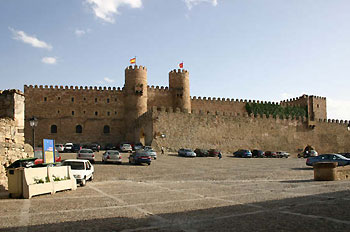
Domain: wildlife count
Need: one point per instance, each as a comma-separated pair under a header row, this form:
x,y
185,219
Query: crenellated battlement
x,y
303,97
10,92
230,100
74,88
158,88
179,71
135,67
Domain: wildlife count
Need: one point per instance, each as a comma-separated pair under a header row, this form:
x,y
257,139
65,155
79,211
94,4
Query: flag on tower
x,y
133,60
181,65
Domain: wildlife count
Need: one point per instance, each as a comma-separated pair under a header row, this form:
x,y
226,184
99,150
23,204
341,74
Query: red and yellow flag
x,y
181,65
133,60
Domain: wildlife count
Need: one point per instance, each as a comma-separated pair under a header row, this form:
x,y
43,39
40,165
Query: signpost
x,y
49,151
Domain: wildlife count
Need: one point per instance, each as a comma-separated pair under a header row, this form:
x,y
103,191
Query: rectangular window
x,y
72,112
72,99
45,98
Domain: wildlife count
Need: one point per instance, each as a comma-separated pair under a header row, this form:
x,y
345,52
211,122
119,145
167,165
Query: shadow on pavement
x,y
315,213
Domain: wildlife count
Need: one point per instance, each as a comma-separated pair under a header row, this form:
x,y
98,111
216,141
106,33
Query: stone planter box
x,y
331,172
28,186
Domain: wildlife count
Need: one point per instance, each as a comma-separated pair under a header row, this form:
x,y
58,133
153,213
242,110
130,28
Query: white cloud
x,y
32,40
106,9
49,60
79,32
192,3
106,79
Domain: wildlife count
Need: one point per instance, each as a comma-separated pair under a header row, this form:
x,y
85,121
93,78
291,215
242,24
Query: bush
x,y
276,110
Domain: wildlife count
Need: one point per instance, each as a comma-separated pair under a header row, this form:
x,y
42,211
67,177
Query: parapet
x,y
179,71
158,88
135,67
11,91
74,88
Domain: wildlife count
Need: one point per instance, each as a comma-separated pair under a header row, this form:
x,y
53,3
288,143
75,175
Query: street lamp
x,y
33,123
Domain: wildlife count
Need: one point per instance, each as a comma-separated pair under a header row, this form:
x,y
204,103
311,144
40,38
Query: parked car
x,y
68,147
139,157
152,153
59,147
111,156
94,146
82,170
125,147
258,153
214,152
147,148
76,147
110,146
282,154
270,154
243,153
346,154
306,154
38,154
201,152
341,160
26,163
138,146
186,153
86,154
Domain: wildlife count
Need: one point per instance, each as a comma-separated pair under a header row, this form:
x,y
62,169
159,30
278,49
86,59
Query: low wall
x,y
230,132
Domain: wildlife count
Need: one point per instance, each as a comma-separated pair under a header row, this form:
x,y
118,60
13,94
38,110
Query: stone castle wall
x,y
12,145
230,132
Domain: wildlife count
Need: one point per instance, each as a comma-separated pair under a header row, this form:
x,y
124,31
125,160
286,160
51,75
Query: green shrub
x,y
275,110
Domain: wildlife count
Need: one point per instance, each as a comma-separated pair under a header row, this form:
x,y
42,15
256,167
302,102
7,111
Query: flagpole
x,y
135,61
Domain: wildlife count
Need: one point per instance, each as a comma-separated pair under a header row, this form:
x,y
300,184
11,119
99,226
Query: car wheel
x,y
92,177
155,158
149,163
83,182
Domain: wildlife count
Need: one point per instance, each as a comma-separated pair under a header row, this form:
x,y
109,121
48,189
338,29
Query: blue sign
x,y
49,151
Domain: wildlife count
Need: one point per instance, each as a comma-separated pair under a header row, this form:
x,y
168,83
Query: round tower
x,y
179,86
135,98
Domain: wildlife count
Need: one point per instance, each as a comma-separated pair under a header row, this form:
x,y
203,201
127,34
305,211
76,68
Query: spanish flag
x,y
133,60
181,65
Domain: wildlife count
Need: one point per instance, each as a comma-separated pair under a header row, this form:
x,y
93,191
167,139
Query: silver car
x,y
86,154
151,153
125,147
186,153
112,156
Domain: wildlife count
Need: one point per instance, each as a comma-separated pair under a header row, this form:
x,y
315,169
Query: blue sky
x,y
246,49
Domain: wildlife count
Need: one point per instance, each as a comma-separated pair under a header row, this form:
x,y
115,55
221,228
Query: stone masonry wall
x,y
230,132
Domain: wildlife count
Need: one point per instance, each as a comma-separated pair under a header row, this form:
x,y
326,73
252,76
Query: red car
x,y
38,153
270,154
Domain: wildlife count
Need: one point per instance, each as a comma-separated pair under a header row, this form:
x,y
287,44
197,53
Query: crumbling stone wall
x,y
12,145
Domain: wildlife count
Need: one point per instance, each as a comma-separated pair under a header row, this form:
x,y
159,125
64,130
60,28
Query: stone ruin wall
x,y
12,145
232,131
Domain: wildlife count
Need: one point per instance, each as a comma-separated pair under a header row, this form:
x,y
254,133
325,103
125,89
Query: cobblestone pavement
x,y
189,194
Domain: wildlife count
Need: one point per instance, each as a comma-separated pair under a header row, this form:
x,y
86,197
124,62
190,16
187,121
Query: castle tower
x,y
179,86
135,98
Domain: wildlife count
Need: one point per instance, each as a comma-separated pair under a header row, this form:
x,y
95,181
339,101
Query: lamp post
x,y
33,123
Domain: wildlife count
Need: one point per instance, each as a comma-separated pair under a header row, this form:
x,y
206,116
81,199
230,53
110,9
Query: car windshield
x,y
75,165
187,150
86,151
113,153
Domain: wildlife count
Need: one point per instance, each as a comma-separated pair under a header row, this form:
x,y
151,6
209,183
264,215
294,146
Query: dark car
x,y
139,157
243,153
341,160
93,146
26,163
201,152
346,155
76,147
214,152
270,154
258,153
110,146
137,146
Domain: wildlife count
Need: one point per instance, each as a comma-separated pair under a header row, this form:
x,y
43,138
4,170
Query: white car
x,y
82,170
59,147
112,156
68,147
86,154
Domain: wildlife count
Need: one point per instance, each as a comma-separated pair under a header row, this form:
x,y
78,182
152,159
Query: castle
x,y
170,117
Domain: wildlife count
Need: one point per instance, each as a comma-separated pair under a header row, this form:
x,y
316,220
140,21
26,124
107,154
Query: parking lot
x,y
189,194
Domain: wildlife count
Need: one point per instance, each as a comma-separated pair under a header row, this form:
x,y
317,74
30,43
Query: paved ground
x,y
189,194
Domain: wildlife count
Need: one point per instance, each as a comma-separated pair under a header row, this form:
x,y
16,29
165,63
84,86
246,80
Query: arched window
x,y
106,129
53,129
79,129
